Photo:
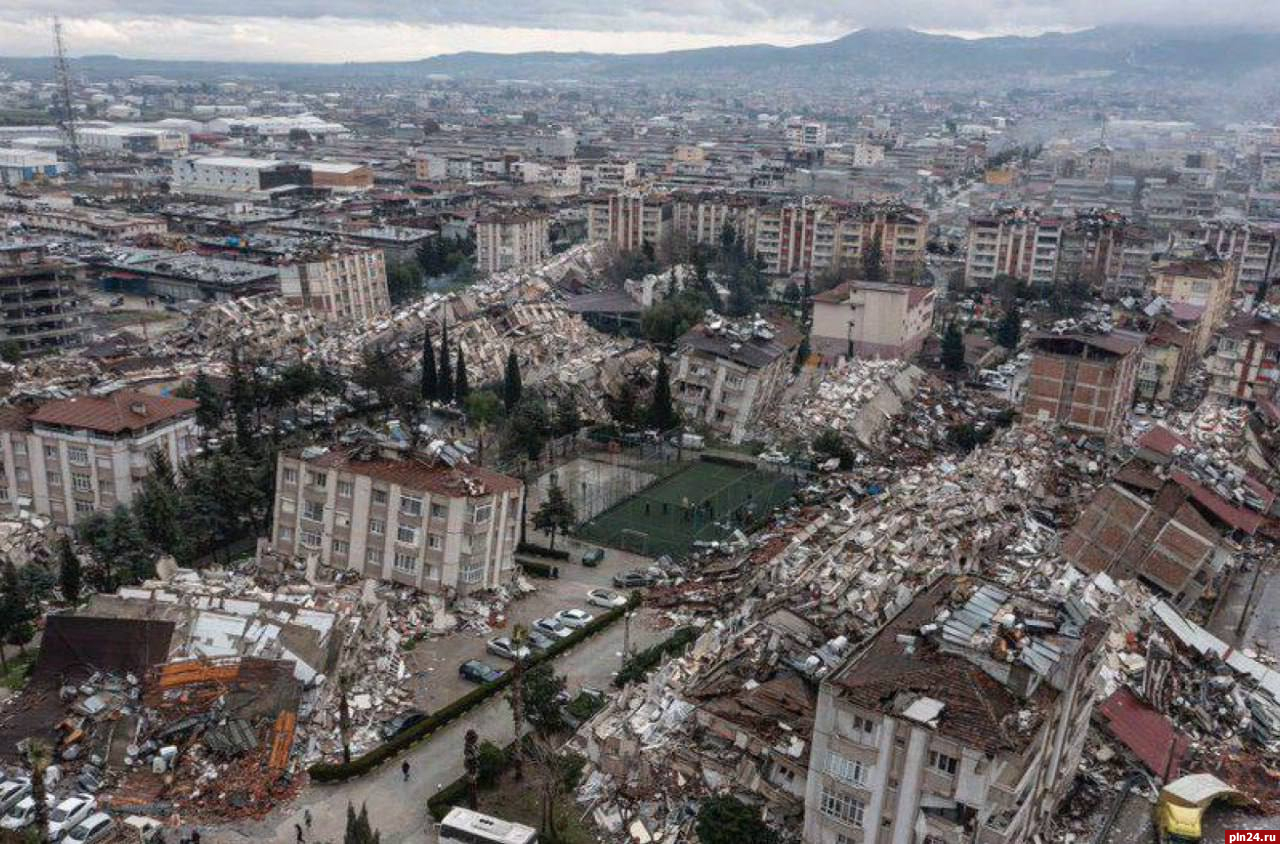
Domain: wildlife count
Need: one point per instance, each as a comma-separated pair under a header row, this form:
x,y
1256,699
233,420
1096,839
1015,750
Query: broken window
x,y
482,514
373,555
864,730
944,763
851,771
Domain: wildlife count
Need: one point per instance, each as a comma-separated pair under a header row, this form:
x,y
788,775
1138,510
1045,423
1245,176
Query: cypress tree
x,y
460,386
511,385
662,414
445,371
430,381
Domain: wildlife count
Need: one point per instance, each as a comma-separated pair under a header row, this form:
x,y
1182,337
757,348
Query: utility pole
x,y
62,75
626,638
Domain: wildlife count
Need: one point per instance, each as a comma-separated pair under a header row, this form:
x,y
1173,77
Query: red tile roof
x,y
114,413
420,474
1237,517
1150,735
1162,441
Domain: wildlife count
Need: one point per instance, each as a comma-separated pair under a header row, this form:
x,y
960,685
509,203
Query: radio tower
x,y
67,118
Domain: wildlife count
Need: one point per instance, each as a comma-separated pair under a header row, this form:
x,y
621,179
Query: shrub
x,y
492,761
639,666
533,568
542,551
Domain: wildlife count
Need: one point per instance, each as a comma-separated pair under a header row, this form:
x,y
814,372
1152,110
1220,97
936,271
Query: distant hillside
x,y
887,56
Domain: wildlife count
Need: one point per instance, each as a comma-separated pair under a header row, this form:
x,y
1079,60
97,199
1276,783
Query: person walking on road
x,y
306,818
404,769
298,829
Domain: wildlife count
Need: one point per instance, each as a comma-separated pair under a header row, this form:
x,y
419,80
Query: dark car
x,y
592,558
539,641
632,579
478,672
393,727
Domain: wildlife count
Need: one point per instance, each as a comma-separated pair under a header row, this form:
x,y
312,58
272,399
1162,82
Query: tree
x,y
542,689
430,380
873,261
518,638
830,444
444,372
211,412
952,348
359,831
11,351
404,282
460,385
622,407
491,761
802,354
662,413
527,428
39,756
511,383
483,407
242,402
724,819
70,575
17,610
471,764
160,508
567,418
1009,332
556,515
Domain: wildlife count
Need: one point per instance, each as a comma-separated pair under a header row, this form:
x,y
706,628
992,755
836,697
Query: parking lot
x,y
435,662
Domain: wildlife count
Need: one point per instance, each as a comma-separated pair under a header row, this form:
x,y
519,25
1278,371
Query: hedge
x,y
541,551
363,764
536,568
642,663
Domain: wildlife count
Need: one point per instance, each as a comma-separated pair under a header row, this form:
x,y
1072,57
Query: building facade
x,y
40,309
629,220
509,241
1202,284
66,459
400,517
347,284
1245,366
954,723
870,319
1084,382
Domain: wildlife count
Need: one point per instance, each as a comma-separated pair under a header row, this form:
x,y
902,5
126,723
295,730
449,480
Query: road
x,y
399,809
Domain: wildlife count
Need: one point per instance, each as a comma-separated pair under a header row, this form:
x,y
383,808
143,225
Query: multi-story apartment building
x,y
1082,381
1015,243
67,458
1166,358
615,175
1245,366
726,375
510,240
1204,284
804,134
870,319
812,237
962,720
439,525
1251,248
345,284
40,309
629,220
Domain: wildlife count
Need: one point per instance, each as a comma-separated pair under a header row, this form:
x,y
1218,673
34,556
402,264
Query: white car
x,y
21,814
574,618
505,648
553,627
606,598
68,814
91,830
11,791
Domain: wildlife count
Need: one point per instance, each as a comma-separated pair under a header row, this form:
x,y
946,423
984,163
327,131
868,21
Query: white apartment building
x,y
802,135
405,518
615,175
629,220
347,284
509,241
67,458
962,720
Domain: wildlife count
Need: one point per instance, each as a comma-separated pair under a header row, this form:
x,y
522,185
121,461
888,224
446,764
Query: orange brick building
x,y
1083,381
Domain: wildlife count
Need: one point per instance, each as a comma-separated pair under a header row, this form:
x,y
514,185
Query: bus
x,y
464,826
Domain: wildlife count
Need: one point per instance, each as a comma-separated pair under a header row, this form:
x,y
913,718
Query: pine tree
x,y
211,412
662,413
444,372
1009,332
359,830
72,579
953,348
873,261
567,418
802,354
460,386
511,385
159,509
430,380
556,515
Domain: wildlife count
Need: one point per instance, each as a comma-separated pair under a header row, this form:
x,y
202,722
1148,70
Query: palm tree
x,y
471,763
38,757
518,638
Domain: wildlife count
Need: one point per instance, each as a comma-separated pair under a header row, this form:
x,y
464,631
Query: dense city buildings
x,y
872,320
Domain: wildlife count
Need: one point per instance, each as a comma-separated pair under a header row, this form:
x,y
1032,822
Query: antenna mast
x,y
62,75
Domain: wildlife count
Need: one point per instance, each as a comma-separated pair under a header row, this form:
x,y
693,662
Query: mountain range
x,y
906,56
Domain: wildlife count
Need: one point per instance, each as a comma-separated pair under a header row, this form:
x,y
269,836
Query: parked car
x,y
1140,409
553,627
393,727
592,558
91,830
575,618
505,648
539,641
11,791
21,814
68,814
478,672
632,580
606,598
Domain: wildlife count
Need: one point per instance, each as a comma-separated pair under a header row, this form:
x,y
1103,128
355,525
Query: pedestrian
x,y
195,836
298,829
404,769
306,818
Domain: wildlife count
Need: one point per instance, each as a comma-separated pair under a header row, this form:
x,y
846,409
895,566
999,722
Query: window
x,y
288,505
290,476
472,574
379,496
439,511
377,526
22,474
864,730
340,547
286,534
404,533
851,771
51,451
81,483
311,538
317,479
346,489
405,562
944,763
106,488
84,506
434,541
373,555
19,448
411,505
482,514
313,510
77,455
4,493
842,806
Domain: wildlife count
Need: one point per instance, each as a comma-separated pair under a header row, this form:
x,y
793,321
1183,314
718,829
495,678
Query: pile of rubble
x,y
855,398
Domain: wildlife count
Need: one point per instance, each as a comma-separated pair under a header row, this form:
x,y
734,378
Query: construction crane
x,y
62,75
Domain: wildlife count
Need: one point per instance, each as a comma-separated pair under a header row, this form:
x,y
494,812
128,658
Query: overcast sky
x,y
354,30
